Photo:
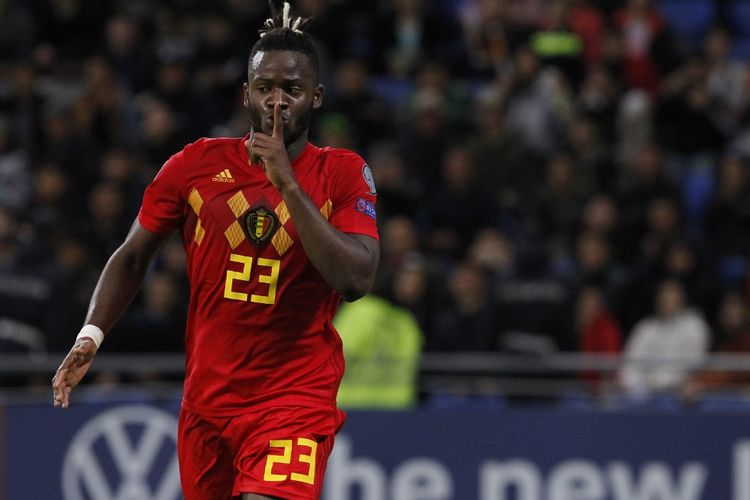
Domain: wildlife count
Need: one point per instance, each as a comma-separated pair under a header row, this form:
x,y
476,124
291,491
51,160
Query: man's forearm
x,y
122,276
345,263
117,286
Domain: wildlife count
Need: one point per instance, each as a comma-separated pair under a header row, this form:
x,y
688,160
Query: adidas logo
x,y
223,176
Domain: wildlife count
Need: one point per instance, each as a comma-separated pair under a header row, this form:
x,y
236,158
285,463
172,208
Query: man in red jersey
x,y
276,232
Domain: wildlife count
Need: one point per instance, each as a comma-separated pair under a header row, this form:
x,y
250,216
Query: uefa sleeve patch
x,y
369,179
366,208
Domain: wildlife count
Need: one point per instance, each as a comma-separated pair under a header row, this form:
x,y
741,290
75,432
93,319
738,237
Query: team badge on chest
x,y
260,224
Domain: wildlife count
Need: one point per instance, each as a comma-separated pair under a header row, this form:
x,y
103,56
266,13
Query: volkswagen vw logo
x,y
125,453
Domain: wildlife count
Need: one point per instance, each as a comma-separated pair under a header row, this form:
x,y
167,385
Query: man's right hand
x,y
71,371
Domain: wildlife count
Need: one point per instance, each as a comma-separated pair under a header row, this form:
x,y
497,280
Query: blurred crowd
x,y
553,175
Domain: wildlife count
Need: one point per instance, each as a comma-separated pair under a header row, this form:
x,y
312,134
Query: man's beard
x,y
290,134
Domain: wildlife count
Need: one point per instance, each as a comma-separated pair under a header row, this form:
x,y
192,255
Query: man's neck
x,y
296,148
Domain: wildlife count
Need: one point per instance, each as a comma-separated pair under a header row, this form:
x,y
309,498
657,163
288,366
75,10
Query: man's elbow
x,y
356,288
352,295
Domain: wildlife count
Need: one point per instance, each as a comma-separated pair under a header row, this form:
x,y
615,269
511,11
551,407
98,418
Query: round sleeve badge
x,y
369,179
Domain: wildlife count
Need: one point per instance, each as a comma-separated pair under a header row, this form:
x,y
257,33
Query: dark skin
x,y
280,93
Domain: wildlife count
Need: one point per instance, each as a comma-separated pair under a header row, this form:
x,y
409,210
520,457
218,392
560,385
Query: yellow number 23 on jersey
x,y
269,275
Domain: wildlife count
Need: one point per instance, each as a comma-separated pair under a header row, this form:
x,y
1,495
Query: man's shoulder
x,y
342,162
208,144
340,155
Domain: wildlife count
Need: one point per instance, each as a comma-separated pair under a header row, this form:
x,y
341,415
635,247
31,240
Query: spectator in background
x,y
729,208
601,216
410,31
158,320
437,76
24,103
492,35
52,200
612,52
495,253
733,335
566,34
466,322
397,193
219,64
70,27
686,119
344,29
121,168
512,178
336,129
410,288
351,97
424,142
103,103
595,266
663,348
587,19
733,323
591,125
76,153
24,286
9,254
128,52
663,227
458,207
725,79
642,30
560,201
382,347
644,182
634,128
537,102
15,172
683,262
399,240
171,261
161,132
174,88
596,329
108,218
71,279
16,31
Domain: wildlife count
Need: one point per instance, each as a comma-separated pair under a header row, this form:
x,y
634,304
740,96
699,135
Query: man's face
x,y
287,78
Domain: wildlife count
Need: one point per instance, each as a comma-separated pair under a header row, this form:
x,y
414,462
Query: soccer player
x,y
276,232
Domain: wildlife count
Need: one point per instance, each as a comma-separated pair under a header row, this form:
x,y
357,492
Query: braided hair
x,y
282,31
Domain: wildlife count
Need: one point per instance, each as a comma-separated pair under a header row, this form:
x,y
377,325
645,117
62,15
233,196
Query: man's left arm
x,y
347,262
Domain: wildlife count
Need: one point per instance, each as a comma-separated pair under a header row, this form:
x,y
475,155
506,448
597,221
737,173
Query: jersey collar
x,y
301,159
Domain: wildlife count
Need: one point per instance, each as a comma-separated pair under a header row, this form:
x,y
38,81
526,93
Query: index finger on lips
x,y
278,124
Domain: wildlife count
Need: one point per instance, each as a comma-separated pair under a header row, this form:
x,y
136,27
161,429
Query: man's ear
x,y
318,96
245,95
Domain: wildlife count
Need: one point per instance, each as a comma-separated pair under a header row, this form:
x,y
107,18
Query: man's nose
x,y
278,95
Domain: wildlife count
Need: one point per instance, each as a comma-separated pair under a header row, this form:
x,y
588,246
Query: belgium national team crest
x,y
260,224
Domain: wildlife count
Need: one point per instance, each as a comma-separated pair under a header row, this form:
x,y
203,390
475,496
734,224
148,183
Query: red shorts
x,y
280,452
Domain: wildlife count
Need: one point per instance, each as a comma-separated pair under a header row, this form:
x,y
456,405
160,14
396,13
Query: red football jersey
x,y
259,324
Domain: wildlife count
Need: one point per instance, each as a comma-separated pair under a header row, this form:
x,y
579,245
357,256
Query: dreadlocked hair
x,y
282,31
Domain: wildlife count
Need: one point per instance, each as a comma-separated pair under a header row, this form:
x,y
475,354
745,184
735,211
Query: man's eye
x,y
262,88
294,90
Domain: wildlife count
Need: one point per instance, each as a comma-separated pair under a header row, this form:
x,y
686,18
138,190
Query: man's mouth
x,y
284,119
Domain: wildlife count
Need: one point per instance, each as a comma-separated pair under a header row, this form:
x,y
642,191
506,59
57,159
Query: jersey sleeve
x,y
163,206
354,198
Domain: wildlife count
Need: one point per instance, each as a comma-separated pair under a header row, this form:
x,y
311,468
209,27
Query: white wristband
x,y
93,332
